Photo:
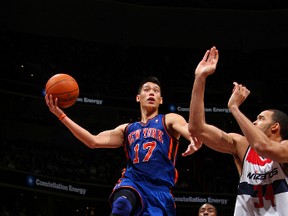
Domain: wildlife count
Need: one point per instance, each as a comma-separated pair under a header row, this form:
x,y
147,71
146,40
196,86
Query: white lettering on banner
x,y
220,110
54,185
207,110
190,199
182,109
77,190
214,200
201,200
89,100
95,101
60,186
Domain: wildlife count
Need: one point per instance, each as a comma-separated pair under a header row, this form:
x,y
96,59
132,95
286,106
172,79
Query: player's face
x,y
207,210
264,121
150,95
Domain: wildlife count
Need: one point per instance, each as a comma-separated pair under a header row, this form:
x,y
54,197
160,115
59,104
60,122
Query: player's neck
x,y
145,116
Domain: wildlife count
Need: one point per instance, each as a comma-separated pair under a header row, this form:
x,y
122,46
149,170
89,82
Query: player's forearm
x,y
79,132
197,109
256,138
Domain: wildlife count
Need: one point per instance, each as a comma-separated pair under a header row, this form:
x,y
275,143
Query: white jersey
x,y
262,189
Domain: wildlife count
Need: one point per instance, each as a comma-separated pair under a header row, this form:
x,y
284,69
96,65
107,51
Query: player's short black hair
x,y
152,79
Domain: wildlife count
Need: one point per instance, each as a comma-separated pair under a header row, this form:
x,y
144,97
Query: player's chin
x,y
151,107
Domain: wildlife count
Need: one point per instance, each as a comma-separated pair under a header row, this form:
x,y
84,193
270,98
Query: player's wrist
x,y
62,116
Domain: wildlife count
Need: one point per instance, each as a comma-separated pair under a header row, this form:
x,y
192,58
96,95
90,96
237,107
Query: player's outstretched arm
x,y
107,139
210,135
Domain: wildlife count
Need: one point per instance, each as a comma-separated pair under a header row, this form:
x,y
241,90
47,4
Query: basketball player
x,y
207,209
151,150
260,154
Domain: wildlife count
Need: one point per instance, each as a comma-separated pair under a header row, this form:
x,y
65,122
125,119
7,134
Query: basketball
x,y
64,87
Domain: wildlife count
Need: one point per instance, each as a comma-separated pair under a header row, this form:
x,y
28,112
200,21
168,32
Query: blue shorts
x,y
156,201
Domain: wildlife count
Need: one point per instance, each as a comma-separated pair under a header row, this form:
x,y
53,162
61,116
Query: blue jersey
x,y
151,155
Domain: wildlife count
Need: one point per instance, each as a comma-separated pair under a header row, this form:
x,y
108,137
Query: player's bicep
x,y
177,125
111,138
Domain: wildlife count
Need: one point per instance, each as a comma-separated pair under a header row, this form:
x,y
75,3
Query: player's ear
x,y
137,97
161,100
275,127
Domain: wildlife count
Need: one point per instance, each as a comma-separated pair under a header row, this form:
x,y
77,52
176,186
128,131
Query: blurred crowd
x,y
197,173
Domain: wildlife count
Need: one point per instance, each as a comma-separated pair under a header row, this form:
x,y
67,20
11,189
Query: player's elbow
x,y
195,128
92,143
191,128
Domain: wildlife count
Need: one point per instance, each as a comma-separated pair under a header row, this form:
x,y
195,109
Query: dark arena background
x,y
108,47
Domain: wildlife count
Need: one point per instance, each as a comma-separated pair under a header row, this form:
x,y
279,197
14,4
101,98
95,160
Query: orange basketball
x,y
64,87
